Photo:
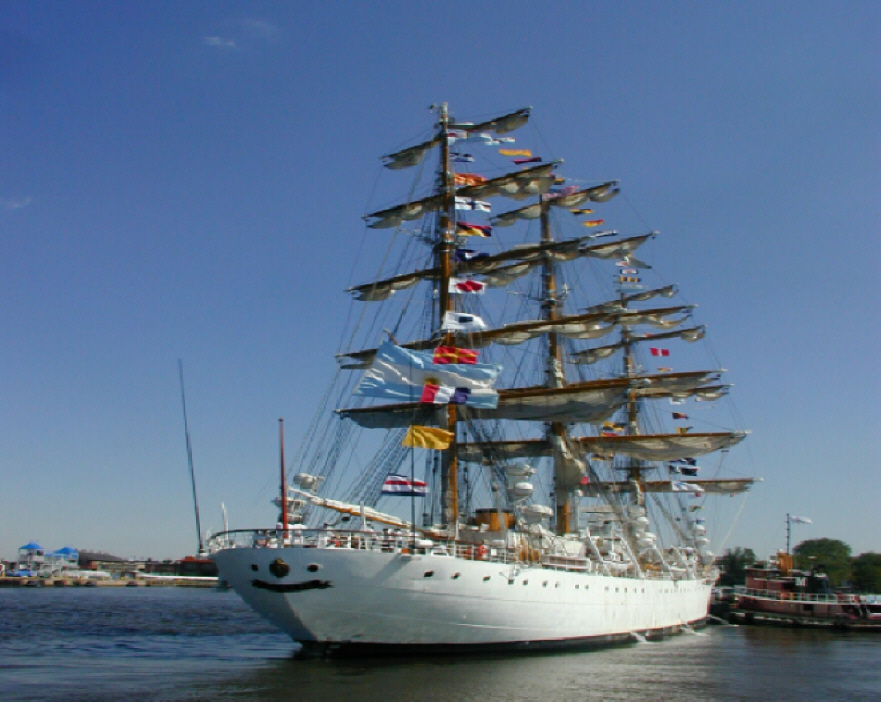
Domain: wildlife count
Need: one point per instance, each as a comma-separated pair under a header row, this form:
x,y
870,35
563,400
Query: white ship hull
x,y
347,598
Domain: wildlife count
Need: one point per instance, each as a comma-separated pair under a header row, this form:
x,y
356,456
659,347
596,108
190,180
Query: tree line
x,y
861,573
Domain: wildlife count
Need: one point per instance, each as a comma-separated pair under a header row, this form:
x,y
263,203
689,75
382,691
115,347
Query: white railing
x,y
363,541
404,543
784,596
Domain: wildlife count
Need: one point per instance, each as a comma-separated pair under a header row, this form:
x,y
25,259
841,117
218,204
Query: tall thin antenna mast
x,y
284,491
183,397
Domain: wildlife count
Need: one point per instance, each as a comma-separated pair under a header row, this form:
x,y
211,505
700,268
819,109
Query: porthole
x,y
455,576
312,567
428,574
254,566
486,577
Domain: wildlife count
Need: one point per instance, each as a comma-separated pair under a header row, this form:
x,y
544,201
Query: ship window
x,y
545,583
428,574
312,567
486,577
557,584
254,566
616,589
456,575
577,586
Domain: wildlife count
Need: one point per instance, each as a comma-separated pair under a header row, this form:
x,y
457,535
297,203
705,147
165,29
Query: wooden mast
x,y
634,468
449,460
554,371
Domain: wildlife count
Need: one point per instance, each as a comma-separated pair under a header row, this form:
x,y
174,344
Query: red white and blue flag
x,y
404,487
444,394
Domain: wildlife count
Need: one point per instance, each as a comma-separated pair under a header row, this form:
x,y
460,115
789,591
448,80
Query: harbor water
x,y
166,643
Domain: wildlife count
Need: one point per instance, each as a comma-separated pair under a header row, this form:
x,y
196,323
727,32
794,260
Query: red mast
x,y
284,497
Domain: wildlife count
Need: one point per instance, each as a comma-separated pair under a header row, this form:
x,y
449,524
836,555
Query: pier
x,y
166,581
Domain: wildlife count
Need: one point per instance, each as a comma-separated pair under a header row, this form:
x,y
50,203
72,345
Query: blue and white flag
x,y
679,486
482,138
459,321
465,255
401,374
404,487
469,203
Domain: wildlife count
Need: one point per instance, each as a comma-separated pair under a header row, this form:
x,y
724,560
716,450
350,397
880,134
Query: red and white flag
x,y
467,285
404,487
659,352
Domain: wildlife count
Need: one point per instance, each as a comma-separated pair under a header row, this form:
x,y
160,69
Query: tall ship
x,y
498,462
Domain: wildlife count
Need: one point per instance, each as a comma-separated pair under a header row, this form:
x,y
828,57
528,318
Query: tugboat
x,y
780,595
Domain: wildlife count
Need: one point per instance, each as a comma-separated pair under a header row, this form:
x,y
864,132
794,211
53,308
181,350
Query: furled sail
x,y
595,354
727,486
584,326
648,447
508,218
410,156
662,447
573,197
591,401
499,125
691,334
677,382
599,193
517,186
530,181
587,326
395,216
413,155
501,272
502,451
624,300
383,289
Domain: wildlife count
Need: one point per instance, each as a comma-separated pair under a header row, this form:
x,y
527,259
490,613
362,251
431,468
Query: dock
x,y
166,581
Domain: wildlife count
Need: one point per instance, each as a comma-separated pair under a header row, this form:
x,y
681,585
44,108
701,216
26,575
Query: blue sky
x,y
186,180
